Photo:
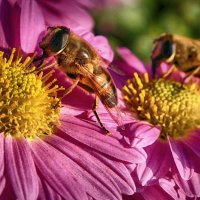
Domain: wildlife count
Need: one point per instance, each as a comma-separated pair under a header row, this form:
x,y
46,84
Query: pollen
x,y
29,106
170,105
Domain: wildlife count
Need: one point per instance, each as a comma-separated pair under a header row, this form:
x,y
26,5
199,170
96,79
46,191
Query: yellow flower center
x,y
29,106
172,106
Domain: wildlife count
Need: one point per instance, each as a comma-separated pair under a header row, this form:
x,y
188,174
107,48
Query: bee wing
x,y
116,115
114,112
116,69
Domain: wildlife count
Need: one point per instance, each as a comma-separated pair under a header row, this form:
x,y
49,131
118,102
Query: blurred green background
x,y
136,25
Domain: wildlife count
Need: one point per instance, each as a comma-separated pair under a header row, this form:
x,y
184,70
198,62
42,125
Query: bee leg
x,y
170,70
69,90
97,116
42,64
192,73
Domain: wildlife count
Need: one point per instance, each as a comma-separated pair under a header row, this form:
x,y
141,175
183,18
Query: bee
x,y
81,62
181,52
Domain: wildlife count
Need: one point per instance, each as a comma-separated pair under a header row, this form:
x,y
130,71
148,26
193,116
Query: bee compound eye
x,y
167,49
59,41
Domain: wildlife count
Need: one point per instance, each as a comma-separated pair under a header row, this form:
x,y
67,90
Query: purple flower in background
x,y
29,19
165,189
172,144
23,21
96,4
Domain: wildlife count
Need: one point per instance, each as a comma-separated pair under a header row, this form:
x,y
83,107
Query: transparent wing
x,y
116,69
114,112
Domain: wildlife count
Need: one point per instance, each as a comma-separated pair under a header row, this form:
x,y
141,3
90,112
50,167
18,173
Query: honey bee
x,y
81,62
181,52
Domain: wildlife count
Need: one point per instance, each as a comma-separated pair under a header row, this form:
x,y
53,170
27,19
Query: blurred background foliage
x,y
137,23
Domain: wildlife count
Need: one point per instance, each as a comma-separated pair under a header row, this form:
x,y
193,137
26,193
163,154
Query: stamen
x,y
172,106
29,106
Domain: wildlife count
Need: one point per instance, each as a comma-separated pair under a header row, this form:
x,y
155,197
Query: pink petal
x,y
121,175
155,192
157,163
15,27
104,170
20,168
169,187
2,178
9,15
69,14
140,134
12,2
100,43
193,142
90,4
90,135
56,171
134,63
190,187
31,25
63,174
181,155
78,100
7,193
46,192
162,69
150,193
3,41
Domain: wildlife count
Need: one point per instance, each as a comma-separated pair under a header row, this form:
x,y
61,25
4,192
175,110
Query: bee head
x,y
55,40
164,50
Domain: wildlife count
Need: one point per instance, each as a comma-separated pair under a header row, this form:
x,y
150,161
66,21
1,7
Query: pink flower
x,y
171,146
75,161
23,21
98,4
29,19
165,189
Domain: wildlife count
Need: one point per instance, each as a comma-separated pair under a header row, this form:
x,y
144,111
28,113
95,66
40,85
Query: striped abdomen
x,y
105,87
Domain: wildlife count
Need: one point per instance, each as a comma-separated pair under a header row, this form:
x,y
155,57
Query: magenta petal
x,y
3,41
126,185
67,13
157,163
66,177
155,192
9,15
54,168
169,187
75,102
7,193
193,142
140,134
110,176
31,25
181,155
12,2
46,192
101,45
20,168
91,135
190,187
131,60
2,178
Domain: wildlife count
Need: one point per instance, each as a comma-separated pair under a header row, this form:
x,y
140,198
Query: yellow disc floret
x,y
172,106
29,106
